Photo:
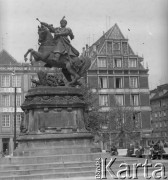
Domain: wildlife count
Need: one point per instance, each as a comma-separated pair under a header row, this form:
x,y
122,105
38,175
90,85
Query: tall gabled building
x,y
118,73
13,74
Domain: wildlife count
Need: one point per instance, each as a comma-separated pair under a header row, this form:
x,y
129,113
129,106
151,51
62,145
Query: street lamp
x,y
15,89
15,121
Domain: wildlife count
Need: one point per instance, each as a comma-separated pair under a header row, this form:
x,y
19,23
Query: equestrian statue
x,y
58,52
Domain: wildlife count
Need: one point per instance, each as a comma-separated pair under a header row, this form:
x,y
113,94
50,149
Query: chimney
x,y
83,51
87,50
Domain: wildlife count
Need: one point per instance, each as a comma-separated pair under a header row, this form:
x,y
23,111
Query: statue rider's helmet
x,y
63,22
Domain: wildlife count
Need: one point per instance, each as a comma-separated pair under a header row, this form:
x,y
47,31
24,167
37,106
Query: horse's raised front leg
x,y
73,73
25,56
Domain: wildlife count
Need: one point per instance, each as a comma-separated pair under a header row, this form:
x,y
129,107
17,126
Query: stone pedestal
x,y
54,122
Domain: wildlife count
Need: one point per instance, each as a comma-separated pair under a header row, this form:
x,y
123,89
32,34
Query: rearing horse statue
x,y
73,68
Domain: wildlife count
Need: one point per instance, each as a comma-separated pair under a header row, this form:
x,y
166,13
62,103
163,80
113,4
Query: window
x,y
137,119
132,63
119,121
160,114
109,48
161,93
102,62
117,63
5,120
103,100
5,100
18,100
163,102
134,100
119,99
18,119
165,124
133,82
124,47
160,124
16,81
164,113
5,81
165,134
118,82
116,46
156,115
103,82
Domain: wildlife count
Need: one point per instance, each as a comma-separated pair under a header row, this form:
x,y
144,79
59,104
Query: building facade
x,y
159,113
13,75
117,72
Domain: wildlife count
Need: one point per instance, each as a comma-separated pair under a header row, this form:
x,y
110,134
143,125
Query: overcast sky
x,y
146,19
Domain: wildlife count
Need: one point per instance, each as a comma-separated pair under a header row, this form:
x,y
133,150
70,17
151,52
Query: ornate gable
x,y
112,42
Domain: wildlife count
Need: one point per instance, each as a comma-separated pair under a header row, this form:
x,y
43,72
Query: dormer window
x,y
116,46
124,47
102,62
161,93
109,48
132,63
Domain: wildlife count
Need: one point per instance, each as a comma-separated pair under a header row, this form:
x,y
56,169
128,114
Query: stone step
x,y
50,158
57,158
66,173
50,176
53,151
63,169
46,170
45,165
55,165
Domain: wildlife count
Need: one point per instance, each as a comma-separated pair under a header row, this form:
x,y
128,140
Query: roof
x,y
113,33
6,58
160,92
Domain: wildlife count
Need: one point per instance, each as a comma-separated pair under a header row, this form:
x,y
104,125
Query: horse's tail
x,y
85,67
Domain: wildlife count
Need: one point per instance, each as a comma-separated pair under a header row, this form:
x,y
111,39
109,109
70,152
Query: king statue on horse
x,y
62,43
58,52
